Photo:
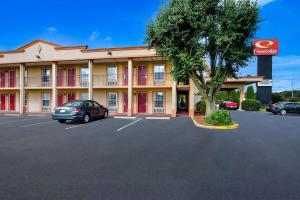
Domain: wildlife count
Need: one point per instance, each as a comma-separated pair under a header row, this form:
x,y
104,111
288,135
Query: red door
x,y
125,103
2,79
142,75
60,78
12,102
60,99
142,102
125,76
3,103
12,79
71,77
71,97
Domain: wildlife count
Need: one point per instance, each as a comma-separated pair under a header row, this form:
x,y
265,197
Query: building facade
x,y
40,75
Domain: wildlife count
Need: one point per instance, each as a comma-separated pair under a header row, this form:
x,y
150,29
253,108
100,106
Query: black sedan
x,y
82,110
286,107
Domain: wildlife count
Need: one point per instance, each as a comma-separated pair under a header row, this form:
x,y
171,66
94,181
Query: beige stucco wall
x,y
34,101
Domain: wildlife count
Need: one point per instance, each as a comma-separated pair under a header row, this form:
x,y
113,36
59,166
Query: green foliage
x,y
250,94
288,94
251,105
277,97
219,118
201,107
295,99
188,31
221,96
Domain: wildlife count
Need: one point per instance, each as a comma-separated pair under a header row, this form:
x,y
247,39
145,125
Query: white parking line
x,y
73,126
128,125
159,118
19,120
36,124
76,126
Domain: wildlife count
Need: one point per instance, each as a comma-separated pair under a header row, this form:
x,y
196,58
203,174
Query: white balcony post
x,y
22,92
174,99
91,66
130,61
192,99
242,96
54,90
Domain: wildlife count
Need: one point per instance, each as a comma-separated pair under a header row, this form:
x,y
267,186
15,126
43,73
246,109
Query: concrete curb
x,y
229,127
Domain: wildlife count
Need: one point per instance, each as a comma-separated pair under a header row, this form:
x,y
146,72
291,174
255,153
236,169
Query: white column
x,y
242,96
91,70
130,61
22,92
54,90
174,99
192,99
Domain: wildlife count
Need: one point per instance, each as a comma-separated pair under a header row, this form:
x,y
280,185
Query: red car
x,y
229,105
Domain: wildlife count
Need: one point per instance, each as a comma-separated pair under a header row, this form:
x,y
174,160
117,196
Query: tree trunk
x,y
210,106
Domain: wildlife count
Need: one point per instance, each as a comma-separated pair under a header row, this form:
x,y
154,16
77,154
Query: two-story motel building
x,y
41,75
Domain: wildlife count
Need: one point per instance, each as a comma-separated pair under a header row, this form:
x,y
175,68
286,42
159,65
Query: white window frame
x,y
84,77
113,108
46,82
46,108
112,78
161,108
159,74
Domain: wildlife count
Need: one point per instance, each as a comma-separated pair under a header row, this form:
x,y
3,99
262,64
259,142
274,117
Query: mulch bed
x,y
200,119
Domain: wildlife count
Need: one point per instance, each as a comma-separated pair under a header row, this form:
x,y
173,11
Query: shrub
x,y
277,97
295,99
219,118
251,105
250,94
201,107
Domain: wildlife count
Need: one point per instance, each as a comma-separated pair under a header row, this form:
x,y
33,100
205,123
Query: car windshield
x,y
73,104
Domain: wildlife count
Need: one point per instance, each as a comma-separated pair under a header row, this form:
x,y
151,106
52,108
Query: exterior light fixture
x,y
109,53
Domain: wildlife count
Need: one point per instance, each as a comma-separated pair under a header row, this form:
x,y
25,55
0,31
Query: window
x,y
84,77
84,96
159,74
112,75
159,102
45,101
45,77
89,104
112,101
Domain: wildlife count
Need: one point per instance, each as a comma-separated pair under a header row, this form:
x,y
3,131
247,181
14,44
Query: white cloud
x,y
107,39
94,35
264,2
52,29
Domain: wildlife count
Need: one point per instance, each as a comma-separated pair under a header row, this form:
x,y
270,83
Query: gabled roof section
x,y
38,41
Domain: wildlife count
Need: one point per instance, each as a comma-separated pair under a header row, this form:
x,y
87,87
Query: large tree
x,y
205,40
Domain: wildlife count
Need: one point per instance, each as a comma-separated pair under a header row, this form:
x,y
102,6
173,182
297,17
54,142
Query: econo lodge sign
x,y
266,47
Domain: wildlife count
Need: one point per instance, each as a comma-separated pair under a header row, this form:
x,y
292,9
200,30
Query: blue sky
x,y
122,23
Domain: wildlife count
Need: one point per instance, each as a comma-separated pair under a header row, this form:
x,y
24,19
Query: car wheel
x,y
106,114
86,118
62,121
283,112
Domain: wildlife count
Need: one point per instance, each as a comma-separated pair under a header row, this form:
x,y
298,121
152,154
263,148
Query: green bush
x,y
219,118
277,97
295,99
201,107
251,105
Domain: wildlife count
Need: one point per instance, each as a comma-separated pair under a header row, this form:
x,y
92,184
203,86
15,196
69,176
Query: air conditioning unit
x,y
159,110
158,82
45,84
45,109
112,109
112,83
84,84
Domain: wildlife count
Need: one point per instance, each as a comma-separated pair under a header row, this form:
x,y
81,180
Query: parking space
x,y
143,158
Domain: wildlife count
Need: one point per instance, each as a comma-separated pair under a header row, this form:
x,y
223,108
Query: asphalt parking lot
x,y
150,159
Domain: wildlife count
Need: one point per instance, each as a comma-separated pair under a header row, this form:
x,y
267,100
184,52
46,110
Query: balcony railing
x,y
42,82
110,80
157,79
9,83
72,81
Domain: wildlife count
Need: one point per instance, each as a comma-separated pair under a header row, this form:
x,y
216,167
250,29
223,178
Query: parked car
x,y
82,110
271,107
229,105
286,107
